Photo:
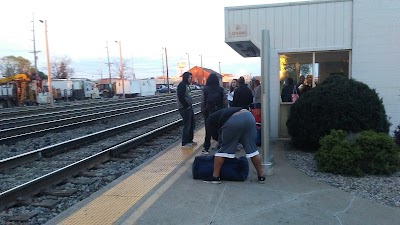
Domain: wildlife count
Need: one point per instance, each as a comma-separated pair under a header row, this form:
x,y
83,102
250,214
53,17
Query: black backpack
x,y
213,98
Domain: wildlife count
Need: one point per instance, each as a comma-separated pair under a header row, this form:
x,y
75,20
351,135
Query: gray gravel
x,y
381,189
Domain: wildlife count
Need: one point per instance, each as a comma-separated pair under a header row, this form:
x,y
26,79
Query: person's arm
x,y
224,98
203,102
181,91
235,98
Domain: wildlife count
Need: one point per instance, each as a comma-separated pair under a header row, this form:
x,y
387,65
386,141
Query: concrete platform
x,y
288,197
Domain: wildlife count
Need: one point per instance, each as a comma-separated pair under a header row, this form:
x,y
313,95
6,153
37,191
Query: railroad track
x,y
53,164
14,134
58,113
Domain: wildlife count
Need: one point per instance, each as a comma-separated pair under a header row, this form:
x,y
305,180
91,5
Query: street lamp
x,y
166,63
188,60
121,70
50,96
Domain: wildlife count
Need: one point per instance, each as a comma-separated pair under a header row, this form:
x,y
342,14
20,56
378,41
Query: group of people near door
x,y
289,88
227,119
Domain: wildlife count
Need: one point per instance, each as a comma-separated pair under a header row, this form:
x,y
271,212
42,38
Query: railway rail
x,y
53,164
14,134
23,120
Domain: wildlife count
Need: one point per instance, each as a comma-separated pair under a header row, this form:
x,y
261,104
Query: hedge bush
x,y
380,154
369,153
338,103
337,155
397,135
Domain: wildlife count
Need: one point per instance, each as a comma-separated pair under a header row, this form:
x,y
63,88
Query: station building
x,y
357,39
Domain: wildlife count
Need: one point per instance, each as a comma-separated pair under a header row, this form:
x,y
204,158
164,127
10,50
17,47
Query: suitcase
x,y
258,139
257,115
236,169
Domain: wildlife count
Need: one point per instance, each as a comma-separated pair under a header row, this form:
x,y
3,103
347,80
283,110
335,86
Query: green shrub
x,y
397,135
368,153
337,155
380,154
338,103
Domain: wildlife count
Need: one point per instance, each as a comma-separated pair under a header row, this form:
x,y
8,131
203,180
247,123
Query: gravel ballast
x,y
382,189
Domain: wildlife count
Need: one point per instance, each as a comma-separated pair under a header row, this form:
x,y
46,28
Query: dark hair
x,y
230,87
212,80
241,81
289,81
185,76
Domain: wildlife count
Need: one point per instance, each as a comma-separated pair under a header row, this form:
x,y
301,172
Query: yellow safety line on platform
x,y
112,204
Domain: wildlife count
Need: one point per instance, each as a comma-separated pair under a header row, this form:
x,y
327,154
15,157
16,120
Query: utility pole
x,y
188,60
121,69
34,55
166,62
202,69
133,70
163,71
48,66
108,63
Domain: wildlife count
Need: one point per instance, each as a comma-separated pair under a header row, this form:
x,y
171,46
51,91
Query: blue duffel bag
x,y
236,169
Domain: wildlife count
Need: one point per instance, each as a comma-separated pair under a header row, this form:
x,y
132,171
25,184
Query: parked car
x,y
165,90
195,87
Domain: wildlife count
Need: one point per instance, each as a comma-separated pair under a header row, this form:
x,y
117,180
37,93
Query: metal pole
x,y
188,60
163,71
202,69
48,67
266,103
219,64
121,70
133,70
108,63
34,55
166,63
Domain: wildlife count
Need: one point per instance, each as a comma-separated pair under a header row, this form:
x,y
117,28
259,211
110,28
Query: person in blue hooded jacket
x,y
184,103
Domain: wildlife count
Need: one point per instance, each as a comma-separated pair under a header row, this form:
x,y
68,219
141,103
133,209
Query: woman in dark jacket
x,y
212,99
288,90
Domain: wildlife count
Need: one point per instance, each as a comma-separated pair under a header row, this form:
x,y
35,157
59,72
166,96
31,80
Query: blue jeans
x,y
188,125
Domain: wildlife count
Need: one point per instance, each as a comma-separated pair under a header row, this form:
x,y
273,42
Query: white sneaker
x,y
188,145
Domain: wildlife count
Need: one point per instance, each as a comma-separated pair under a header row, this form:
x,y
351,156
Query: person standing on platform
x,y
232,88
232,126
184,102
212,99
257,94
243,96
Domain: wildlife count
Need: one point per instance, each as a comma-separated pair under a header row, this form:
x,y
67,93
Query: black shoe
x,y
261,180
212,180
205,152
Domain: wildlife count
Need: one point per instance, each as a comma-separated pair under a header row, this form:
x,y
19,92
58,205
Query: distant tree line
x,y
60,67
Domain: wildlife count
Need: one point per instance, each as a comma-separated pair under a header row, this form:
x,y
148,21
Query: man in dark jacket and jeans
x,y
243,96
184,103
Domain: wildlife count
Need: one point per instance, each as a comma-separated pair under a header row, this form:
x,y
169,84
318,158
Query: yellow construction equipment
x,y
20,86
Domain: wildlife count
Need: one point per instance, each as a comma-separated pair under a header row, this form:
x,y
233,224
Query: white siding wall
x,y
294,27
376,51
370,28
297,26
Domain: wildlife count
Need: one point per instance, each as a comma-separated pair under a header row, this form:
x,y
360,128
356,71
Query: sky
x,y
191,31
